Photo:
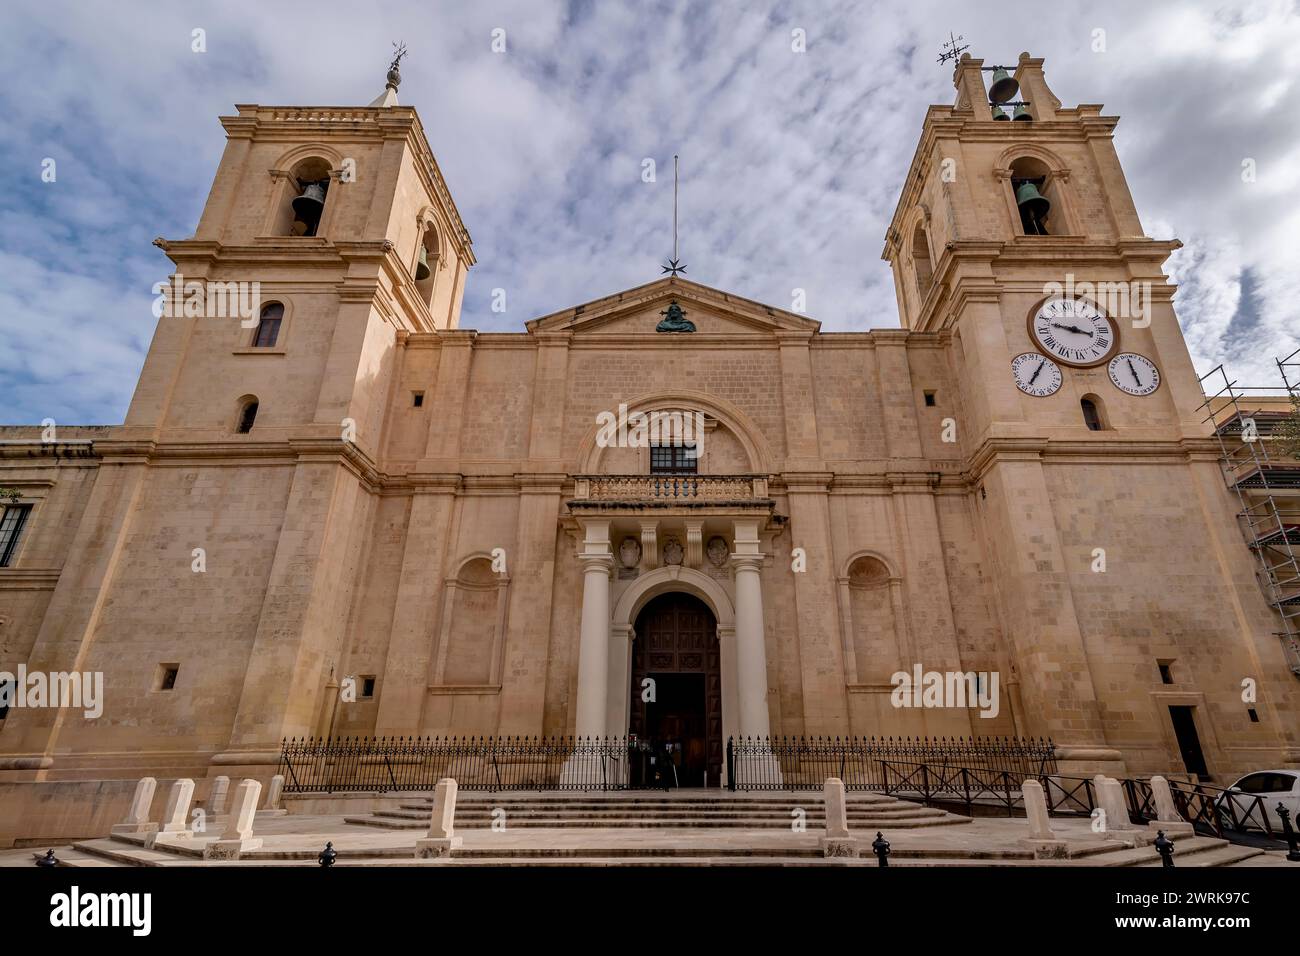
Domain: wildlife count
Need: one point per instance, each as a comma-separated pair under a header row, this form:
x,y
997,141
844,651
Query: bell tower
x,y
1017,245
328,232
334,231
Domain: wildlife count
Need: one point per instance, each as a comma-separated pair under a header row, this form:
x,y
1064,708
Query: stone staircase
x,y
713,809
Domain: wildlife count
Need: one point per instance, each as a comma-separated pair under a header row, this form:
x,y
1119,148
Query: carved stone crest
x,y
672,551
629,552
717,551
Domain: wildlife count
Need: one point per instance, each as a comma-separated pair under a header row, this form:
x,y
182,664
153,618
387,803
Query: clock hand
x,y
1134,371
1072,328
1036,371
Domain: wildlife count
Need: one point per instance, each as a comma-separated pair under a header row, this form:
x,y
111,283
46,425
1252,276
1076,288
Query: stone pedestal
x,y
1110,797
837,843
271,807
1042,838
441,840
216,804
176,818
137,817
237,838
1167,816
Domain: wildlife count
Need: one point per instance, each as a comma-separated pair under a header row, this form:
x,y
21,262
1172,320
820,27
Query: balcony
x,y
670,492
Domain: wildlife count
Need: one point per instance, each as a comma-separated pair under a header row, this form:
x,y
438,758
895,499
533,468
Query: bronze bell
x,y
1000,114
422,267
1031,201
1020,114
309,206
1003,87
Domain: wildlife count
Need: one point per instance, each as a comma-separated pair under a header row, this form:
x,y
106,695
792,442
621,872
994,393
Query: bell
x,y
1021,114
310,204
1031,201
1000,114
422,267
1003,87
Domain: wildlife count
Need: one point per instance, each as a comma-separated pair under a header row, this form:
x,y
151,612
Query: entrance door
x,y
1189,742
676,647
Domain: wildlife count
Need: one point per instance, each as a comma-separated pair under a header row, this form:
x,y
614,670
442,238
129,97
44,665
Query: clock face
x,y
1036,374
1073,331
1133,373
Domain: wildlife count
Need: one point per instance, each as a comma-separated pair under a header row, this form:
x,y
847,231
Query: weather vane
x,y
399,51
951,51
674,265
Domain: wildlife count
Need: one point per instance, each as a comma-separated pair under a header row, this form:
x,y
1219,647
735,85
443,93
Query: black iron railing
x,y
1225,813
382,764
804,763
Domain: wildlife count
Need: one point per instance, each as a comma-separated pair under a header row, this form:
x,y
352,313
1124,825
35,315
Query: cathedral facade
x,y
345,514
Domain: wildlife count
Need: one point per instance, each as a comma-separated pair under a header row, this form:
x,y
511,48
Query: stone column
x,y
137,818
441,839
593,648
751,653
238,835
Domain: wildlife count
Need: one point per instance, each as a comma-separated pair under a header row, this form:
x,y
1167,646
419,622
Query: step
x,y
644,823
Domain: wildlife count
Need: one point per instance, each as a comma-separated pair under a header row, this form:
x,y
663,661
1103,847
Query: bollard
x,y
1289,833
880,847
49,859
1165,847
327,855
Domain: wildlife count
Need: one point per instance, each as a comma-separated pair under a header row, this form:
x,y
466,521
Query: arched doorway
x,y
676,647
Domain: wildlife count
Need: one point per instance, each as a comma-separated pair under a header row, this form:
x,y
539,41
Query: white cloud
x,y
792,162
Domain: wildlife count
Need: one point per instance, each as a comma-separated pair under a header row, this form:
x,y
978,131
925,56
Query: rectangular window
x,y
929,399
417,399
673,459
1166,674
166,676
367,688
12,523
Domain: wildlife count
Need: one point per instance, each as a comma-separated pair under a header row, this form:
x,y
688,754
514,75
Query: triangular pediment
x,y
637,311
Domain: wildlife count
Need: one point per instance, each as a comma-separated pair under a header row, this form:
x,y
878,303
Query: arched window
x,y
268,326
1092,413
1036,198
247,414
921,261
310,182
426,262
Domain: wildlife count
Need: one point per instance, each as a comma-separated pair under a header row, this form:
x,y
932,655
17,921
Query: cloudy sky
x,y
792,162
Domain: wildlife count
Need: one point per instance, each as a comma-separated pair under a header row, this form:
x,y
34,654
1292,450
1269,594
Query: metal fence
x,y
804,763
382,764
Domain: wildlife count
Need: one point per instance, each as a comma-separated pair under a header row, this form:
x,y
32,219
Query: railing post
x,y
731,765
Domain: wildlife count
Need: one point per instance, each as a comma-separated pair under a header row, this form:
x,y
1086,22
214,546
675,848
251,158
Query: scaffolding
x,y
1267,488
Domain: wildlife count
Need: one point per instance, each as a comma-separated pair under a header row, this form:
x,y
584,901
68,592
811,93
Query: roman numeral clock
x,y
1076,333
1073,331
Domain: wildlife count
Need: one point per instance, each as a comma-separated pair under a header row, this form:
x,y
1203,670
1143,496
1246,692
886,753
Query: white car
x,y
1272,787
